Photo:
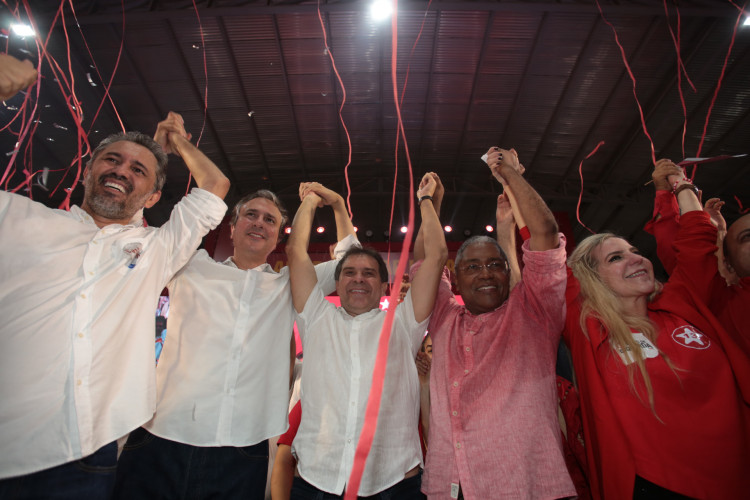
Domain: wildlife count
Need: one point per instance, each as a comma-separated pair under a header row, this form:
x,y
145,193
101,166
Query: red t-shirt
x,y
294,419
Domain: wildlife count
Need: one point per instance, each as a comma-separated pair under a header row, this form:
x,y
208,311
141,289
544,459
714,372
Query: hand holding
x,y
504,211
307,190
664,170
499,159
15,75
170,131
428,186
423,367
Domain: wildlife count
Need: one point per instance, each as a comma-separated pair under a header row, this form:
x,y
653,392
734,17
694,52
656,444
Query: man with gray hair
x,y
493,362
223,375
77,302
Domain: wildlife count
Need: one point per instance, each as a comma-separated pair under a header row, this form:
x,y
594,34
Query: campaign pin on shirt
x,y
133,251
690,336
648,350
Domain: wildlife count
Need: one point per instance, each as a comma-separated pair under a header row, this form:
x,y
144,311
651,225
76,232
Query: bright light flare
x,y
489,228
22,30
288,230
320,229
448,229
404,229
381,9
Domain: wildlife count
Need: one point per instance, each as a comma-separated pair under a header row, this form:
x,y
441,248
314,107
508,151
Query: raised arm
x,y
437,201
301,269
15,75
538,217
506,235
425,283
344,226
173,138
685,192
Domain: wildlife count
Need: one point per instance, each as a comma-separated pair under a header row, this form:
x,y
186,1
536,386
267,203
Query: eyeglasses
x,y
495,266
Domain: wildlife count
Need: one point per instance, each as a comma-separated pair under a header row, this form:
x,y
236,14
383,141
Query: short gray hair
x,y
478,240
142,140
261,193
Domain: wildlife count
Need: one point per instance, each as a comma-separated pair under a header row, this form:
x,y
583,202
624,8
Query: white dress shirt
x,y
223,375
340,355
77,324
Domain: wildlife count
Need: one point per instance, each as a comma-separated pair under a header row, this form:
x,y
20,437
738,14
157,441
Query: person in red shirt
x,y
662,404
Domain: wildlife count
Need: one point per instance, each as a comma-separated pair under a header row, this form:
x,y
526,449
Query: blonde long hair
x,y
600,302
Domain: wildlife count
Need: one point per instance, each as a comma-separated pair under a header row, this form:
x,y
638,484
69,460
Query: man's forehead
x,y
131,148
362,262
262,205
482,250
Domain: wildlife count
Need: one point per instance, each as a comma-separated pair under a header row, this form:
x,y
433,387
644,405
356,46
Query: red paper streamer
x,y
580,196
376,390
341,117
721,78
632,78
739,204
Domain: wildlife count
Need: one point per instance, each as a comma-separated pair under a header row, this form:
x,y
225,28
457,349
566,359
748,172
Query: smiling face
x,y
737,244
623,269
482,278
359,285
119,182
256,231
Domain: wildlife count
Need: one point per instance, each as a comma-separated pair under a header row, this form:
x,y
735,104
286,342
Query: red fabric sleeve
x,y
294,419
664,226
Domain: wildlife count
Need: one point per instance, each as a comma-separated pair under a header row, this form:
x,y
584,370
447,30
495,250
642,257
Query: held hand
x,y
170,132
664,170
499,159
439,188
713,208
423,367
428,185
15,75
327,196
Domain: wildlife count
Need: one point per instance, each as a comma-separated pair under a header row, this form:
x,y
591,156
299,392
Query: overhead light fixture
x,y
320,229
381,9
288,230
489,228
467,232
368,233
22,30
404,229
747,21
448,229
356,229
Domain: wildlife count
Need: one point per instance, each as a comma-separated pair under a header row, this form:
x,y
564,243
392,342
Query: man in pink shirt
x,y
494,431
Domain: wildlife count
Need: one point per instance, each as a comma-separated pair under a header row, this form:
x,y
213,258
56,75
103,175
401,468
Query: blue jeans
x,y
408,489
90,478
153,467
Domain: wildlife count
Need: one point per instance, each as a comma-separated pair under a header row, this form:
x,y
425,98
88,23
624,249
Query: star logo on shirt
x,y
384,304
689,336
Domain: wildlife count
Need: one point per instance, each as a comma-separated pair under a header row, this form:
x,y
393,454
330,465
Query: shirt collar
x,y
265,267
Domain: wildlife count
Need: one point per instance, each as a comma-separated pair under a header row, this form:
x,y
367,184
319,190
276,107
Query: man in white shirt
x,y
340,347
77,302
223,376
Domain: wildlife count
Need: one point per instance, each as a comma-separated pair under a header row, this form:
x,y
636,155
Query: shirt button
x,y
95,242
458,445
352,403
91,273
80,335
468,349
83,295
348,440
455,413
79,382
455,384
466,371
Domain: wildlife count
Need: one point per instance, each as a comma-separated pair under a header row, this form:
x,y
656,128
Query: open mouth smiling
x,y
640,272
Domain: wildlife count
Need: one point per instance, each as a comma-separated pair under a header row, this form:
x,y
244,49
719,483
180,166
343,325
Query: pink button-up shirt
x,y
493,422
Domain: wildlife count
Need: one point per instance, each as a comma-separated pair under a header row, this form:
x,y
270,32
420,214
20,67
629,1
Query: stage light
x,y
381,9
356,229
404,229
489,228
287,229
320,229
448,229
368,233
22,30
747,21
467,232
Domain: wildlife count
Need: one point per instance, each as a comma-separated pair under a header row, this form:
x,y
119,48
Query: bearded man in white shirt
x,y
77,302
223,375
340,347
